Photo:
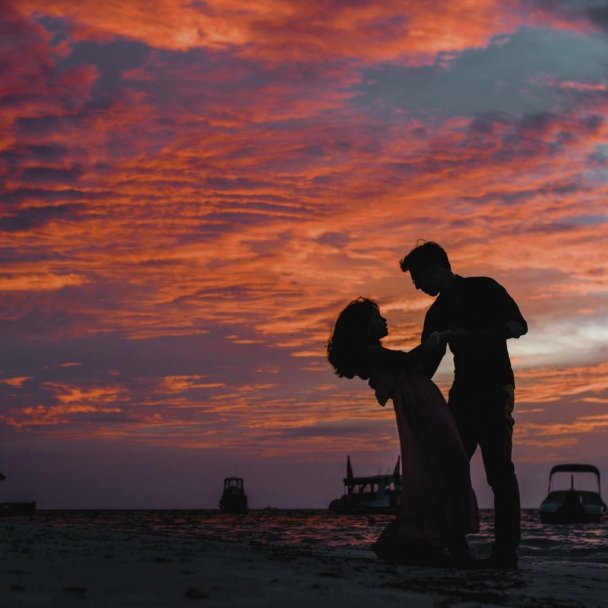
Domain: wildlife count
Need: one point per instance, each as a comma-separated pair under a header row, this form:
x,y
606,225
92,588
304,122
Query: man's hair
x,y
424,255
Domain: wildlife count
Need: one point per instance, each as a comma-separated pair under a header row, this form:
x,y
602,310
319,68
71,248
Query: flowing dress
x,y
438,504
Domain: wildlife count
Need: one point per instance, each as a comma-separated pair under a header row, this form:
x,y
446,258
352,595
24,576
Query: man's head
x,y
429,267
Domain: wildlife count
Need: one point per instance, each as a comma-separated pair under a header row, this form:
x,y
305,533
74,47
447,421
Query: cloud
x,y
505,77
16,382
35,217
572,13
39,282
291,31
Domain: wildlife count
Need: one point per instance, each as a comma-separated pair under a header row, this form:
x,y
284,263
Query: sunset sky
x,y
191,190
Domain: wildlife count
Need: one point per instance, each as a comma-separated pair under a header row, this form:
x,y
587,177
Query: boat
x,y
372,494
573,506
17,508
233,498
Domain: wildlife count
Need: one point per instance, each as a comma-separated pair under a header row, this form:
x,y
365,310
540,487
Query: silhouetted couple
x,y
474,316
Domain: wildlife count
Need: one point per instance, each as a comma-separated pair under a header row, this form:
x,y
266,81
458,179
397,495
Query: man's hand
x,y
515,328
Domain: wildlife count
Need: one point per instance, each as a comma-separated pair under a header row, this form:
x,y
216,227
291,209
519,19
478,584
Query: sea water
x,y
321,531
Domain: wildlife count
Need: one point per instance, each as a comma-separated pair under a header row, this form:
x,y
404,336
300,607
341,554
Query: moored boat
x,y
233,498
572,505
371,494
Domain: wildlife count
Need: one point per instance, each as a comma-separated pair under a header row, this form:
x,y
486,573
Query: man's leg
x,y
496,442
461,407
464,409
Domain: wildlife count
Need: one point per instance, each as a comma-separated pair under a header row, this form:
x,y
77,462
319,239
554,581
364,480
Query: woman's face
x,y
378,328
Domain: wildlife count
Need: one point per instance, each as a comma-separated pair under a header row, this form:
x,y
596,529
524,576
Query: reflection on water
x,y
322,531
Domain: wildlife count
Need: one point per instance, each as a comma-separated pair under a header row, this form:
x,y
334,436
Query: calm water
x,y
322,531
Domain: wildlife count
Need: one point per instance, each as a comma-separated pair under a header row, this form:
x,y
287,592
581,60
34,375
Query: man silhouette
x,y
483,316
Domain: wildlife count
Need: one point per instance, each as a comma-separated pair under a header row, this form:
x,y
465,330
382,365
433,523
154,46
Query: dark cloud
x,y
40,153
111,59
112,359
334,239
51,175
239,183
594,11
32,83
509,76
566,225
39,126
36,217
340,429
599,16
527,135
15,197
46,153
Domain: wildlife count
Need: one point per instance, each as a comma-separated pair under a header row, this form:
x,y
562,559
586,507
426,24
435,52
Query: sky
x,y
191,191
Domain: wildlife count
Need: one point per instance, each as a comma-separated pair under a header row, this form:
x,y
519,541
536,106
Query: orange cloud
x,y
546,385
16,382
52,416
177,384
39,282
280,31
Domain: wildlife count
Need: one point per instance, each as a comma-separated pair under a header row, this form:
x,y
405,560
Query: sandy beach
x,y
47,565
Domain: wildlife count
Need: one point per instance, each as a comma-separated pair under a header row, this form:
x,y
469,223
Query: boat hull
x,y
572,507
343,506
236,505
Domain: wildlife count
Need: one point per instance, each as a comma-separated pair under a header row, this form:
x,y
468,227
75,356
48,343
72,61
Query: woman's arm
x,y
386,359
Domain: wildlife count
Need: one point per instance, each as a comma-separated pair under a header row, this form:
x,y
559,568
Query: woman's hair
x,y
349,337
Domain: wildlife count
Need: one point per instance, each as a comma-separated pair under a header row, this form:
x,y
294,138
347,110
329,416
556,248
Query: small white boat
x,y
572,506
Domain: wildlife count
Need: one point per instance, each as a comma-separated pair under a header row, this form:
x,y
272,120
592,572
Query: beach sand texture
x,y
46,565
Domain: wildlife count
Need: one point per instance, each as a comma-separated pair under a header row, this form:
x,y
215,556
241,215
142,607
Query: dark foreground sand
x,y
44,565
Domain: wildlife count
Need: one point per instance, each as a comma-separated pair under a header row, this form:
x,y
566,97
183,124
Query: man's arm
x,y
510,323
433,357
510,329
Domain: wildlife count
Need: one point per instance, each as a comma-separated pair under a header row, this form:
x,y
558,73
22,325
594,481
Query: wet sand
x,y
46,565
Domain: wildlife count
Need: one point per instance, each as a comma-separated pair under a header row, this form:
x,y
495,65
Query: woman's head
x,y
357,326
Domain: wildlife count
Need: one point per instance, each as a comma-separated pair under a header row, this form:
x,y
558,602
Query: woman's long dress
x,y
438,504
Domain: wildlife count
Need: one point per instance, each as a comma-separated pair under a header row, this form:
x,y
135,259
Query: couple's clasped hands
x,y
453,335
440,337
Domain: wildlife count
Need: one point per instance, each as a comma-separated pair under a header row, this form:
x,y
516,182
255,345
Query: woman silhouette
x,y
437,503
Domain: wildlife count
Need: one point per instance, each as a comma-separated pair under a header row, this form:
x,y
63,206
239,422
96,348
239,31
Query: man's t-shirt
x,y
476,304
